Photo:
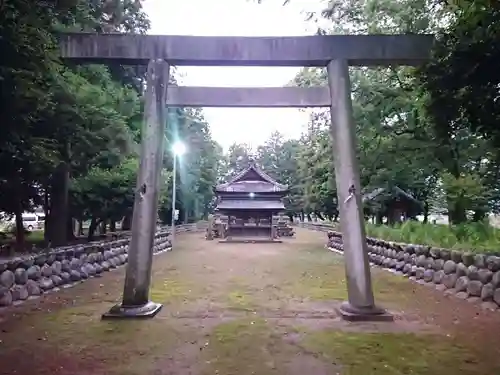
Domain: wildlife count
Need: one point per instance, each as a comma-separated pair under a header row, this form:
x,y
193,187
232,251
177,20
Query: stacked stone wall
x,y
31,276
468,275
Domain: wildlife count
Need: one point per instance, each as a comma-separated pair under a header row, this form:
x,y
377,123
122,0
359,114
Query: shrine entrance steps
x,y
243,239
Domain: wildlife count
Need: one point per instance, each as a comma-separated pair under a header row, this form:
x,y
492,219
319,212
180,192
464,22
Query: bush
x,y
469,236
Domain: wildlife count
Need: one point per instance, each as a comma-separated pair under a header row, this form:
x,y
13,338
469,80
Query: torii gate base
x,y
335,52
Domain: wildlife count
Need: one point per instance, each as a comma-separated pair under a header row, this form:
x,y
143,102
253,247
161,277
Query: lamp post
x,y
178,149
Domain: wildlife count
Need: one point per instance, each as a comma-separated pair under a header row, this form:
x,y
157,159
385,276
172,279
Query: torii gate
x,y
335,53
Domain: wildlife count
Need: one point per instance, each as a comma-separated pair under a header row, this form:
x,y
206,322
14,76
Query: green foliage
x,y
198,169
429,131
105,193
467,190
238,157
70,133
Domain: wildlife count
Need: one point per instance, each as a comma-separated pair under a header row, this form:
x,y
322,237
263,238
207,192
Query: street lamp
x,y
178,149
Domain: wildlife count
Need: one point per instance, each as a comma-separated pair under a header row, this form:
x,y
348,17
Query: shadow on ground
x,y
248,309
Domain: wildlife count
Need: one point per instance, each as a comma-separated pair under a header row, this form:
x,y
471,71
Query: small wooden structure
x,y
393,203
216,227
283,228
251,201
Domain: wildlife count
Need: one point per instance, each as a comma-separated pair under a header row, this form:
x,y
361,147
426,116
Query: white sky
x,y
238,18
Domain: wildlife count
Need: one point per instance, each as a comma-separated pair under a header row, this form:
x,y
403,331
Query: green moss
x,y
126,346
328,282
386,353
240,300
325,288
166,290
85,323
241,347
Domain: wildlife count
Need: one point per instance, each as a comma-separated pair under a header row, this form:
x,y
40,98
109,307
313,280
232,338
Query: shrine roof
x,y
252,179
250,204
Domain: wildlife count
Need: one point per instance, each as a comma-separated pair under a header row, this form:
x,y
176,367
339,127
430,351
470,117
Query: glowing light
x,y
179,148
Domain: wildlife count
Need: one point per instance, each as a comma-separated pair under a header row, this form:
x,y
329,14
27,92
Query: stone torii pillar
x,y
136,303
360,304
210,228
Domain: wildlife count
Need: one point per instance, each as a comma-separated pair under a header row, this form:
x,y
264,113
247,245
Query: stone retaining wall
x,y
31,276
471,276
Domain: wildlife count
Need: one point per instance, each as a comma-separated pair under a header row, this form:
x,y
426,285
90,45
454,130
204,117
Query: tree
x,y
238,158
27,63
279,158
461,89
448,108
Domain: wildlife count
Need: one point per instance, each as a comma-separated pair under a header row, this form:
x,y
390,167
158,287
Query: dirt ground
x,y
248,309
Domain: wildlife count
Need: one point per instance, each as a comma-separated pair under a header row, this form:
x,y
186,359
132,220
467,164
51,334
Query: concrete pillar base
x,y
148,310
355,314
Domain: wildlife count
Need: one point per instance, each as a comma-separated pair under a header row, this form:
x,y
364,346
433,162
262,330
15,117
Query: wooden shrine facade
x,y
249,204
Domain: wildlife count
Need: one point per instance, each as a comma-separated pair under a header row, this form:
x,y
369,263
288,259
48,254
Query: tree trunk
x,y
127,222
46,210
456,210
112,226
103,227
426,212
93,226
70,229
456,213
20,237
80,227
59,205
318,215
396,216
479,215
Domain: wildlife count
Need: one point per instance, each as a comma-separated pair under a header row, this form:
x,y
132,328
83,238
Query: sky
x,y
238,18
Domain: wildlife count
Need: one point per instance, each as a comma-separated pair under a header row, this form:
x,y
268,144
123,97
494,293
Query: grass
x,y
255,346
240,300
395,353
319,284
121,346
36,236
169,289
322,278
478,237
243,347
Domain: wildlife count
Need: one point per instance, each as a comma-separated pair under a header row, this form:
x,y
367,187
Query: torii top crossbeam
x,y
303,51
